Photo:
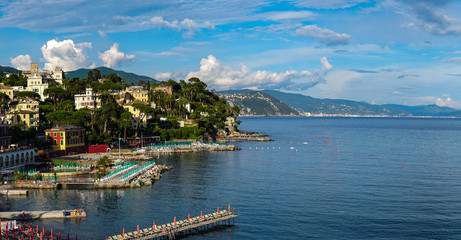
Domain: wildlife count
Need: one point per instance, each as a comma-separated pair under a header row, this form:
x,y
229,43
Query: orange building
x,y
66,139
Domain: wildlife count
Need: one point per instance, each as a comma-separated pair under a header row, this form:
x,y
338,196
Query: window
x,y
55,134
61,134
62,142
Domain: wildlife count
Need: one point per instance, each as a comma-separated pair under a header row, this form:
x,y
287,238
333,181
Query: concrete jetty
x,y
10,192
42,215
182,227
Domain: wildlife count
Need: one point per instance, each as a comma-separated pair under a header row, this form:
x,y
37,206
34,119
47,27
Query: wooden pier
x,y
186,226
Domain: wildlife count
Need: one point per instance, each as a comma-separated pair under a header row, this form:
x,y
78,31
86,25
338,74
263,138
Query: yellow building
x,y
7,90
66,138
138,93
29,118
136,115
23,110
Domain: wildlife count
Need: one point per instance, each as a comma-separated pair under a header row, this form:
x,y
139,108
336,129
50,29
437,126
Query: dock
x,y
14,192
186,226
26,215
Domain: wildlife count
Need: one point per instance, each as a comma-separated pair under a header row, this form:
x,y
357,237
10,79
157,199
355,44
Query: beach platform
x,y
180,228
11,192
41,215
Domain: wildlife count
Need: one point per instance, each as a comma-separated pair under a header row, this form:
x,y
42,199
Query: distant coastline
x,y
349,116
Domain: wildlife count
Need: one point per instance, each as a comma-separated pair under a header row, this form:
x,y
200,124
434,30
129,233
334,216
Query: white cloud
x,y
66,55
448,102
115,58
21,62
187,24
163,76
219,76
331,4
323,35
428,16
288,15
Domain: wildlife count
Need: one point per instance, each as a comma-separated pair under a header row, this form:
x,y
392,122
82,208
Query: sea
x,y
321,178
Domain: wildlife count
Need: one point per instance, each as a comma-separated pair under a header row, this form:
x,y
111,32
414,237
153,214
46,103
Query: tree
x,y
144,110
57,94
125,122
4,99
102,165
28,94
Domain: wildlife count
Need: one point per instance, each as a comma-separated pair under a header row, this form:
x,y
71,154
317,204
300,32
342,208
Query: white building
x,y
88,100
39,81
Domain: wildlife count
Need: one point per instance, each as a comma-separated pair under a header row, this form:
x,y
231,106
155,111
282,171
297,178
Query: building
x,y
13,157
38,81
167,89
136,115
88,100
138,93
7,90
66,139
5,138
24,110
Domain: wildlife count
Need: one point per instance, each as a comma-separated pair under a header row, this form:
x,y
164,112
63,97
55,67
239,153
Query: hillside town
x,y
44,115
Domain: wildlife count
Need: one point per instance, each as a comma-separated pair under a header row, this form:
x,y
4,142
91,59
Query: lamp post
x,y
119,146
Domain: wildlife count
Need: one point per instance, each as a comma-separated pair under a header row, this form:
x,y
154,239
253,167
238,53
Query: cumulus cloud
x,y
115,58
448,102
219,76
187,24
324,35
21,62
66,54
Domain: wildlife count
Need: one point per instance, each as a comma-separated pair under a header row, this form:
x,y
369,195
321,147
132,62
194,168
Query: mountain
x,y
425,110
276,103
236,91
5,69
315,106
129,77
256,103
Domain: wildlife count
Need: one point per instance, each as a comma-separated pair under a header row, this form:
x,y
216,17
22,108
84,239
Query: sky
x,y
390,51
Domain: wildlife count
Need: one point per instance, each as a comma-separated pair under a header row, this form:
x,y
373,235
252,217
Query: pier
x,y
41,215
186,226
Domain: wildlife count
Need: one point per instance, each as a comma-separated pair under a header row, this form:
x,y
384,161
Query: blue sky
x,y
390,51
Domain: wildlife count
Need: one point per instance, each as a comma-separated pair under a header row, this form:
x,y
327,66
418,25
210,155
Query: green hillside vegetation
x,y
5,70
105,124
128,77
259,103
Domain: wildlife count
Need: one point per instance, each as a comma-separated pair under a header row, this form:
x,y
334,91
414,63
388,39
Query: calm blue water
x,y
297,187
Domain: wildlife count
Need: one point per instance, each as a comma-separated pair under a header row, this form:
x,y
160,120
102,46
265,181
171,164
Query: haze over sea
x,y
392,179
